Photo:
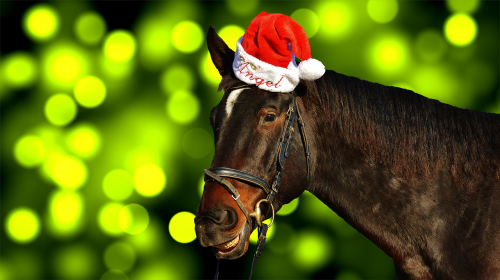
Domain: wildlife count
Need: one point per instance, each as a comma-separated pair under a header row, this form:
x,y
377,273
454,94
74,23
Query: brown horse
x,y
418,178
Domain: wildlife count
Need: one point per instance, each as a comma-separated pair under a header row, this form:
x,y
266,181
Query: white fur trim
x,y
311,69
266,76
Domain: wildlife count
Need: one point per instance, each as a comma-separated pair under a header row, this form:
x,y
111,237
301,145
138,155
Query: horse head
x,y
248,125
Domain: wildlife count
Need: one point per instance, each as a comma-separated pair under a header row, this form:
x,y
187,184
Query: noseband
x,y
219,173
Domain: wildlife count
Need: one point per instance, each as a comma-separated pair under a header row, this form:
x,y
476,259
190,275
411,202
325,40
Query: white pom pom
x,y
311,69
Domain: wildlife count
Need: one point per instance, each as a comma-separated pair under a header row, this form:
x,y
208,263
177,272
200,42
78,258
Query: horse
x,y
418,178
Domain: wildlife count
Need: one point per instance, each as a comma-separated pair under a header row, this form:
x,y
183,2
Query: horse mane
x,y
412,135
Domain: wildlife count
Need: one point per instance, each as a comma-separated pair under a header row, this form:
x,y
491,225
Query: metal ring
x,y
257,214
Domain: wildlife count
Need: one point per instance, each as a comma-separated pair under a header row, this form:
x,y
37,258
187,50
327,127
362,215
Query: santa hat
x,y
265,54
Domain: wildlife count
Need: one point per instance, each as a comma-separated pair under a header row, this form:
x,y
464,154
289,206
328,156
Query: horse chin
x,y
239,250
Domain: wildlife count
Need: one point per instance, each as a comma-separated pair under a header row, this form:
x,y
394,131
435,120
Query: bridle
x,y
219,173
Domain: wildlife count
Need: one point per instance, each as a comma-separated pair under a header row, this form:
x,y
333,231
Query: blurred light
x,y
177,77
209,72
149,180
183,107
90,91
115,69
69,172
254,237
382,11
201,186
231,34
41,22
187,36
347,275
120,46
114,274
118,184
430,45
154,38
66,211
151,241
388,54
29,151
439,83
462,6
54,152
133,219
181,227
285,240
6,269
288,209
64,64
75,262
22,225
19,70
140,156
242,8
336,19
60,109
312,250
84,140
119,255
483,75
308,20
108,218
90,27
197,143
460,29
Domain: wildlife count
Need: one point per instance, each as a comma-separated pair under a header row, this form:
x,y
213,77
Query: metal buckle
x,y
235,198
257,214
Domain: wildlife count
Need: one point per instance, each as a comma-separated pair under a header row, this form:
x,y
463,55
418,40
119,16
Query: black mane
x,y
413,135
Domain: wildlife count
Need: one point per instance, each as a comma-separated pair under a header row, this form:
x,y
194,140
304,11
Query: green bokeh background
x,y
159,90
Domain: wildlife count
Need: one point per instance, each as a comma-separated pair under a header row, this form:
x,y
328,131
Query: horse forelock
x,y
412,135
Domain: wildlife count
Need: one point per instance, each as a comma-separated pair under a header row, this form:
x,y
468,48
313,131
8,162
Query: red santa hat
x,y
265,55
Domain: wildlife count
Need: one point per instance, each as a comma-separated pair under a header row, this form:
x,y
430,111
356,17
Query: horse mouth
x,y
235,247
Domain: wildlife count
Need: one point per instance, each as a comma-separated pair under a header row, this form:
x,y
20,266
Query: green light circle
x,y
66,211
312,250
41,22
460,30
64,64
133,219
18,70
183,107
29,151
270,233
388,54
60,109
382,11
69,172
288,209
149,180
197,143
90,92
119,255
336,19
231,34
285,239
430,45
242,8
120,46
108,218
114,274
22,225
187,36
208,70
118,184
201,186
75,262
308,20
90,27
462,6
177,77
84,140
181,227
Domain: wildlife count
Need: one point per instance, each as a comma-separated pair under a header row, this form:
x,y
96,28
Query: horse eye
x,y
269,118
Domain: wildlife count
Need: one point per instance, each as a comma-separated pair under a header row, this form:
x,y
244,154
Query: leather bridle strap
x,y
232,190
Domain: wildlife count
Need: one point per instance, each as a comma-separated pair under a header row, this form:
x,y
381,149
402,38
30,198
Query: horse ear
x,y
222,55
